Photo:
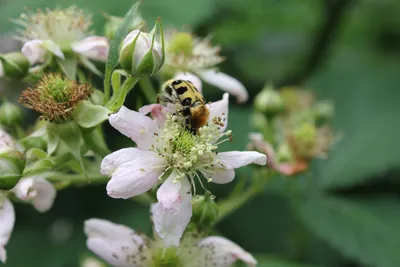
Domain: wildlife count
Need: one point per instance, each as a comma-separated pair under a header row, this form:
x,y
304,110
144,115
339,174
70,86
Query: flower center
x,y
182,42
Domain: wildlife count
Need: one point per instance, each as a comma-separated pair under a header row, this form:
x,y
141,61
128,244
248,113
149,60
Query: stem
x,y
78,179
148,89
118,99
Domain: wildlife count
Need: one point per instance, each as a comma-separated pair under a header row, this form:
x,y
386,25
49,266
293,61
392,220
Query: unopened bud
x,y
14,65
12,164
141,54
323,111
284,154
205,211
10,114
259,121
268,101
305,138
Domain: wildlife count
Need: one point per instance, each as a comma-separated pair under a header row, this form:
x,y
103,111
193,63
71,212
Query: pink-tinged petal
x,y
219,109
189,77
7,220
237,159
157,112
34,51
111,162
172,192
36,190
116,244
136,176
222,252
225,82
141,129
93,47
169,223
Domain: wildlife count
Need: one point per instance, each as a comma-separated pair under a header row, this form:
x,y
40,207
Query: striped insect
x,y
189,102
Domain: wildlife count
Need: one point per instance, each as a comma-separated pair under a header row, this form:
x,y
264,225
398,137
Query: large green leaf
x,y
363,229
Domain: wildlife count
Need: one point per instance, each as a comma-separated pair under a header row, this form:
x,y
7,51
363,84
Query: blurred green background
x,y
346,210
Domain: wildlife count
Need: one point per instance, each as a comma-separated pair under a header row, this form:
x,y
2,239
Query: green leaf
x,y
88,115
95,141
40,166
36,153
52,139
364,229
266,261
120,34
68,66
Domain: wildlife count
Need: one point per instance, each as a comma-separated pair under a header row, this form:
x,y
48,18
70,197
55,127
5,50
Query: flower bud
x,y
10,114
305,138
323,111
12,164
268,101
92,47
259,121
205,211
141,54
14,65
284,154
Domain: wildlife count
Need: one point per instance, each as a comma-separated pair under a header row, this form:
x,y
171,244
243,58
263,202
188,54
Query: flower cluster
x,y
293,128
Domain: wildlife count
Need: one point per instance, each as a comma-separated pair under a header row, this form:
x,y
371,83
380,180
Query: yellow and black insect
x,y
189,101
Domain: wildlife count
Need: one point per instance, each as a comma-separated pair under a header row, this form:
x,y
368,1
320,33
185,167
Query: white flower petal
x,y
36,190
117,244
141,129
112,161
222,252
171,192
7,220
225,82
170,224
136,176
6,139
189,77
220,109
237,159
34,51
223,175
93,47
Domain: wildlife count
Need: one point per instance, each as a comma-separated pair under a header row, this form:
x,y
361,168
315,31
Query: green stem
x,y
118,99
78,179
107,86
148,89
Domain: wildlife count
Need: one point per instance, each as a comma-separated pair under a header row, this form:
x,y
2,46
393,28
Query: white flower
x,y
36,190
92,47
166,148
7,220
59,32
121,246
198,57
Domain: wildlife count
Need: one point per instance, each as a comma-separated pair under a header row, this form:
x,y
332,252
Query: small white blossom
x,y
166,147
189,56
36,190
121,246
7,220
92,47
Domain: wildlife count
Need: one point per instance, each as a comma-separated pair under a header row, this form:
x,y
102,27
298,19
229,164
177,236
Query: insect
x,y
189,102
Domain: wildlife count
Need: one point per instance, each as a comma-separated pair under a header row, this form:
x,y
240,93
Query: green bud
x,y
284,153
166,257
10,114
205,211
268,101
305,137
14,65
323,111
259,121
12,164
182,43
141,53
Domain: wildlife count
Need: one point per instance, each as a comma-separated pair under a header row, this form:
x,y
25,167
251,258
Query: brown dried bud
x,y
55,97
